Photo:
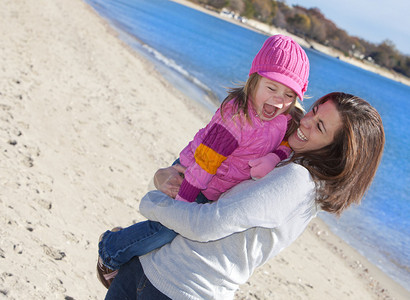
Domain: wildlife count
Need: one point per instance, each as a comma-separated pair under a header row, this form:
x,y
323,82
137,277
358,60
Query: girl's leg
x,y
201,199
131,283
117,248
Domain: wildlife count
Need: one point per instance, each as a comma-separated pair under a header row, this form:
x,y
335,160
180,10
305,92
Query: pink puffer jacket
x,y
218,156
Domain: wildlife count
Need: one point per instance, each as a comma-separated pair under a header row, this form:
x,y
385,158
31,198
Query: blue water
x,y
202,55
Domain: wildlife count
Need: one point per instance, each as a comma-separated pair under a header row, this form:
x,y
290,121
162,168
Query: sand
x,y
85,122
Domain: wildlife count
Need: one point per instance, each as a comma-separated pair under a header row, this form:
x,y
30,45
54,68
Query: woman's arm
x,y
267,202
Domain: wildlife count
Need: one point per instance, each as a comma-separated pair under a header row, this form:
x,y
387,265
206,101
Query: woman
x,y
337,149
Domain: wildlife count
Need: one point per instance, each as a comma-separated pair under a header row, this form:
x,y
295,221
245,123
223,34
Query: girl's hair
x,y
241,94
344,170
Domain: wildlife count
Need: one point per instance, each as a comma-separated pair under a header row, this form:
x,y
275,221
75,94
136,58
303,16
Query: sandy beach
x,y
85,122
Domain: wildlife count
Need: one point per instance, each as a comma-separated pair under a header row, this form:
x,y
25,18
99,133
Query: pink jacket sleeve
x,y
207,151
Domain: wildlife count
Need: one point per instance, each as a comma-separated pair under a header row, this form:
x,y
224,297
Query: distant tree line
x,y
312,24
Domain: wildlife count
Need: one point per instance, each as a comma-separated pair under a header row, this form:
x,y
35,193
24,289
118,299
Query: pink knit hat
x,y
282,59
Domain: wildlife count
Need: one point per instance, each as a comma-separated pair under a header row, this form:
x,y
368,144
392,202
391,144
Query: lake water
x,y
202,55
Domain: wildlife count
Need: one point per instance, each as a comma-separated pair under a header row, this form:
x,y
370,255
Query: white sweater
x,y
222,243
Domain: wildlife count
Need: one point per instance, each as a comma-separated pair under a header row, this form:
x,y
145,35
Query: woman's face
x,y
317,128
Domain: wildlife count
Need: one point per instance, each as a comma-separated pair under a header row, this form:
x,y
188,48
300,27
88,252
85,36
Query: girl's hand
x,y
260,167
168,180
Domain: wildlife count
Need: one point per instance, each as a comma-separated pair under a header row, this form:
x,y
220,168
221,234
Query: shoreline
x,y
271,30
85,122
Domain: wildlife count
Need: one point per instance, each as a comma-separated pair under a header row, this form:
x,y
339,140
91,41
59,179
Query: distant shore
x,y
271,30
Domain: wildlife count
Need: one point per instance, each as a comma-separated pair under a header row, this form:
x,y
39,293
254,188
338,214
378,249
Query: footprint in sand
x,y
53,253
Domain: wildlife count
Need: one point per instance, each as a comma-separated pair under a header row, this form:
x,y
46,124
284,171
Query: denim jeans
x,y
131,283
117,248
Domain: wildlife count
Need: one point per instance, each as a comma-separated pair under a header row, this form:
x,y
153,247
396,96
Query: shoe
x,y
106,275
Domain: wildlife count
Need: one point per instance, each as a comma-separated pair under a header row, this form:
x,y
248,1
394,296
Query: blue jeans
x,y
117,248
131,283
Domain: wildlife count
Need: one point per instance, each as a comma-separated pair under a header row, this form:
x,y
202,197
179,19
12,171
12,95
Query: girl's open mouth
x,y
269,111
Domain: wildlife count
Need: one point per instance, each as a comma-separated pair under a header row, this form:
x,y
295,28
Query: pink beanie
x,y
283,60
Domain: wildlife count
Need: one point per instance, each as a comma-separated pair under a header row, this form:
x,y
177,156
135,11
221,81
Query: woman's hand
x,y
168,180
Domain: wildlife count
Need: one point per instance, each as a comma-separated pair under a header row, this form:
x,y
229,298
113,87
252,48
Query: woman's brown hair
x,y
240,96
344,170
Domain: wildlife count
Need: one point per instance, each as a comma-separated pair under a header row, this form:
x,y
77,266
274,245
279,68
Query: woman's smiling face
x,y
317,128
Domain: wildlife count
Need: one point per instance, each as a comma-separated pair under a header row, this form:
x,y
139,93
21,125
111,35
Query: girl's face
x,y
317,128
271,98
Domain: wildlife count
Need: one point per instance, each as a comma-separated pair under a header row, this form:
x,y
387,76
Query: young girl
x,y
242,141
